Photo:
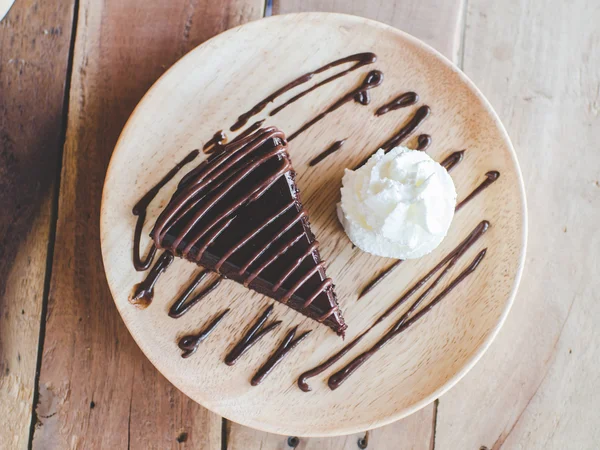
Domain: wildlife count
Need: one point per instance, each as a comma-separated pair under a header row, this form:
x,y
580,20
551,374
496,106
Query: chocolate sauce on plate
x,y
417,119
141,207
454,255
423,141
490,177
403,324
252,336
379,278
182,305
360,95
360,60
452,160
286,346
331,149
189,344
218,139
143,292
402,101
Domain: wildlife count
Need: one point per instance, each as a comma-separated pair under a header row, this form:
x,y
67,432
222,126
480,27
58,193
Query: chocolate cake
x,y
239,214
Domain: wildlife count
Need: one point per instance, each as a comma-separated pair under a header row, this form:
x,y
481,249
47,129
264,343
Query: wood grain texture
x,y
436,22
428,359
34,48
416,18
96,388
538,385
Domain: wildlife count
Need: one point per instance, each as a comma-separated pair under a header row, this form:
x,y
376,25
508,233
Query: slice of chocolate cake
x,y
239,213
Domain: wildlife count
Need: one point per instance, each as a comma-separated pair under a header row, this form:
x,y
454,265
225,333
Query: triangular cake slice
x,y
239,214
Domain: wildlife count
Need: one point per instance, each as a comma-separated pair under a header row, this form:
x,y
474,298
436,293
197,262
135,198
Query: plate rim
x,y
493,332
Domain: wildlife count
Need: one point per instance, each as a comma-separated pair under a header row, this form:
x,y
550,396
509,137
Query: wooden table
x,y
71,71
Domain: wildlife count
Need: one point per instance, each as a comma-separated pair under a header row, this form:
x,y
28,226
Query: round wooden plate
x,y
205,92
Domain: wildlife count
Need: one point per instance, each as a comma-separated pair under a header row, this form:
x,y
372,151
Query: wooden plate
x,y
205,92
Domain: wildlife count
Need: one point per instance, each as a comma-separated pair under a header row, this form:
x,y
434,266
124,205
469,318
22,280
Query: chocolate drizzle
x,y
360,59
181,305
449,260
219,139
141,207
452,257
143,292
490,177
248,131
402,101
286,346
452,160
331,149
402,324
423,141
360,95
252,336
189,343
302,379
369,287
418,118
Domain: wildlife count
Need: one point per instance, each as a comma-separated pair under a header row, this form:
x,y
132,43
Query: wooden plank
x,y
412,433
34,52
436,22
97,390
538,385
440,25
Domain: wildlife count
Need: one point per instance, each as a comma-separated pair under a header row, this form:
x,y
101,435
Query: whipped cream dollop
x,y
398,204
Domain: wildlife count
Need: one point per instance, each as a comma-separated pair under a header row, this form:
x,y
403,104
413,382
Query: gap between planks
x,y
53,223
